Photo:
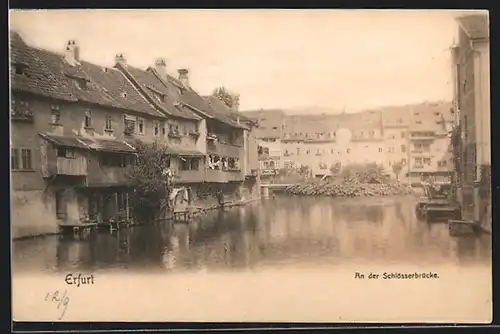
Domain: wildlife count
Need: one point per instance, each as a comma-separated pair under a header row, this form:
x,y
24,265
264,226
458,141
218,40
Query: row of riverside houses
x,y
73,129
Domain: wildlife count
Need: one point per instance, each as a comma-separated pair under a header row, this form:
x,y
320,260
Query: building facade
x,y
390,137
74,125
472,102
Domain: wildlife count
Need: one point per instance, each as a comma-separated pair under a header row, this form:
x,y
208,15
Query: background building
x,y
414,137
472,101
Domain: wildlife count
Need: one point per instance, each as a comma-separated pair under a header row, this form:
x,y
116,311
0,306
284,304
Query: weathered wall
x,y
33,212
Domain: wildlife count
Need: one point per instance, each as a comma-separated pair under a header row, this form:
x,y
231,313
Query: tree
x,y
230,99
151,181
397,168
335,169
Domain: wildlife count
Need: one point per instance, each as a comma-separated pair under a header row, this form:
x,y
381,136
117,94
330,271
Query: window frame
x,y
20,159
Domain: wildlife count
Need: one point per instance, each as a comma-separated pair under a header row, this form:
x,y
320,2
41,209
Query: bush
x,y
150,179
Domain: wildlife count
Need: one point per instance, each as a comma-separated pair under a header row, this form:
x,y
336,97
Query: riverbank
x,y
348,189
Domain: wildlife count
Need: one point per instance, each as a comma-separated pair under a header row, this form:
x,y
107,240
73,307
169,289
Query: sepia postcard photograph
x,y
324,166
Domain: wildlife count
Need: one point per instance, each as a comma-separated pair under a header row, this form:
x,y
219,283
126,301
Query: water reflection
x,y
280,231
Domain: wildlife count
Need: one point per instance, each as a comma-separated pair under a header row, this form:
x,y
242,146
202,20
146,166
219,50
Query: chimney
x,y
161,67
184,76
120,59
72,53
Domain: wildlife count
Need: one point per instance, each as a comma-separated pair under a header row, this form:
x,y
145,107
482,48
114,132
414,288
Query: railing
x,y
422,136
72,166
224,176
225,149
107,176
22,115
190,176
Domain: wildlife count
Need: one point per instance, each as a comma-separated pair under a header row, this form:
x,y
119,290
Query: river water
x,y
285,231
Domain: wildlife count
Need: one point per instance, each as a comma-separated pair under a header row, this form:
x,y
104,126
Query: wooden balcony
x,y
71,166
225,150
190,176
220,176
107,176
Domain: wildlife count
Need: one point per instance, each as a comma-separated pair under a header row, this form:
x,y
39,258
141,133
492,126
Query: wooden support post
x,y
127,207
116,205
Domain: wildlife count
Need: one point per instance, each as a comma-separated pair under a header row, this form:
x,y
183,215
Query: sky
x,y
289,59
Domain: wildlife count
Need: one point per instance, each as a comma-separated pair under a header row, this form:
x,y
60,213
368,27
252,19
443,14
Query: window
x,y
14,158
195,164
109,123
184,164
19,68
156,126
427,161
21,159
163,130
81,83
65,152
331,151
26,159
403,148
348,150
88,119
380,149
55,117
298,151
129,125
307,152
442,163
372,133
140,126
116,160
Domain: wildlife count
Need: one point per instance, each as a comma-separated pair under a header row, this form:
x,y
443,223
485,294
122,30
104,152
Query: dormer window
x,y
81,83
20,68
88,119
56,115
109,123
156,126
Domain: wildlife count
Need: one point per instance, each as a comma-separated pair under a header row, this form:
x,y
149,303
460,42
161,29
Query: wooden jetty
x,y
78,228
463,227
437,202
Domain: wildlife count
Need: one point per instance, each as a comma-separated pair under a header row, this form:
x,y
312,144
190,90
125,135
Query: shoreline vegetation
x,y
359,180
348,189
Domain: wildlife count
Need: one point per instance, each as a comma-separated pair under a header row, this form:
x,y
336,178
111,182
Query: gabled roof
x,y
106,87
37,78
149,84
102,145
476,26
55,77
224,114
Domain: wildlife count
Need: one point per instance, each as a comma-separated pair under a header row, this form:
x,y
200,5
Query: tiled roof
x,y
270,122
51,75
398,116
103,87
65,141
108,145
118,87
476,26
184,153
431,116
37,78
223,113
103,145
149,84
